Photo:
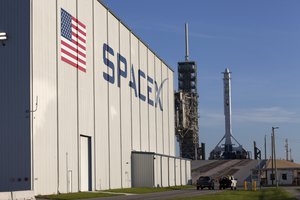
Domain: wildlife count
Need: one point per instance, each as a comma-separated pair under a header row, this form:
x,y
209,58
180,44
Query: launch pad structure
x,y
186,109
228,150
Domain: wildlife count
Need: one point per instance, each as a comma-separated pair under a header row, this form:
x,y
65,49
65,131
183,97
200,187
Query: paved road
x,y
162,195
294,191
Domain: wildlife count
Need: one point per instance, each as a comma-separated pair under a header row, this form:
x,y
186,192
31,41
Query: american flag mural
x,y
73,41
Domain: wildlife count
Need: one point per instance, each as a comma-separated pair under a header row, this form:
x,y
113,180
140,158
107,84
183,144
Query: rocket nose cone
x,y
227,70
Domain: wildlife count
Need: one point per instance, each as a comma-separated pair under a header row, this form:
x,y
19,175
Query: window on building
x,y
284,177
272,176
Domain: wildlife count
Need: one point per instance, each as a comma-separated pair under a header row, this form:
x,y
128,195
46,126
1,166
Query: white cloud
x,y
211,118
269,115
266,115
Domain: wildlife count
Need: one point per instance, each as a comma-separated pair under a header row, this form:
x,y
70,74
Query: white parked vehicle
x,y
227,182
233,182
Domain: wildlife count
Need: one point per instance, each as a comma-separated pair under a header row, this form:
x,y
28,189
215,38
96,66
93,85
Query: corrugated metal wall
x,y
159,119
152,111
114,107
150,169
102,165
188,172
125,93
45,123
158,171
183,172
15,156
164,171
171,171
120,116
177,172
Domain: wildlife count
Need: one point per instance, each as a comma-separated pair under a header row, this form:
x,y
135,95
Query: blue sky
x,y
259,41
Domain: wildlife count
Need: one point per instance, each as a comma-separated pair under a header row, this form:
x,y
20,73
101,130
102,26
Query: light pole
x,y
266,172
266,148
274,152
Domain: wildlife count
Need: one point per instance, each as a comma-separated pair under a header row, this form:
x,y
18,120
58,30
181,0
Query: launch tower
x,y
186,108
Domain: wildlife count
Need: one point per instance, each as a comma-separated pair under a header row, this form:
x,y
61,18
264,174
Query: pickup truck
x,y
227,182
205,181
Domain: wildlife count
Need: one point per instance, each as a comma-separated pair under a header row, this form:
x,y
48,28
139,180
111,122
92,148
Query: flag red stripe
x,y
77,36
79,30
81,24
68,61
73,64
81,46
82,69
72,56
72,48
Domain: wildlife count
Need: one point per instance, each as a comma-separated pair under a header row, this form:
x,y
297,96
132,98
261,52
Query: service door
x,y
85,163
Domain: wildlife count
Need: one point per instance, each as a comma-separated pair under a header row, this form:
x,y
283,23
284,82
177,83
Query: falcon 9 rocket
x,y
228,149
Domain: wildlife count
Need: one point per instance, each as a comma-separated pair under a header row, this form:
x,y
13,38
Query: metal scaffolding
x,y
186,123
186,108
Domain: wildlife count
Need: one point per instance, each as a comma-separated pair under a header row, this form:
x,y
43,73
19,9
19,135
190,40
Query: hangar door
x,y
85,164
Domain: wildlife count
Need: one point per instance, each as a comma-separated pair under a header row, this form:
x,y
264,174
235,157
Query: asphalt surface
x,y
162,195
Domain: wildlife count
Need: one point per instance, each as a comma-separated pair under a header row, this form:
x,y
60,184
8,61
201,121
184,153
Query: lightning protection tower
x,y
186,108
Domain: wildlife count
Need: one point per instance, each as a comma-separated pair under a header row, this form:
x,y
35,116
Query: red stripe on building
x,y
72,56
77,36
68,61
79,30
72,48
78,22
73,64
77,44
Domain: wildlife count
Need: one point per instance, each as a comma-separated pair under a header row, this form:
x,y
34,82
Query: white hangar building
x,y
85,104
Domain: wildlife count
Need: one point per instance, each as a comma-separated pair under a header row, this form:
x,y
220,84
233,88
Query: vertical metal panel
x,y
183,172
125,108
142,82
165,169
177,172
171,171
114,107
171,113
188,172
151,97
157,168
85,79
142,170
15,138
159,129
67,110
45,88
134,95
165,102
101,99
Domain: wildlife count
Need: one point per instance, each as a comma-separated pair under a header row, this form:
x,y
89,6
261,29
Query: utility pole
x,y
266,159
291,158
274,151
265,147
272,157
287,149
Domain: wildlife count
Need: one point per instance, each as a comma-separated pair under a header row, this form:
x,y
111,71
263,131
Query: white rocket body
x,y
227,106
228,150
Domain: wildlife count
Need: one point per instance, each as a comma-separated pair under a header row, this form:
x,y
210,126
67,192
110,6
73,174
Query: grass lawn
x,y
148,190
78,195
86,195
265,194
